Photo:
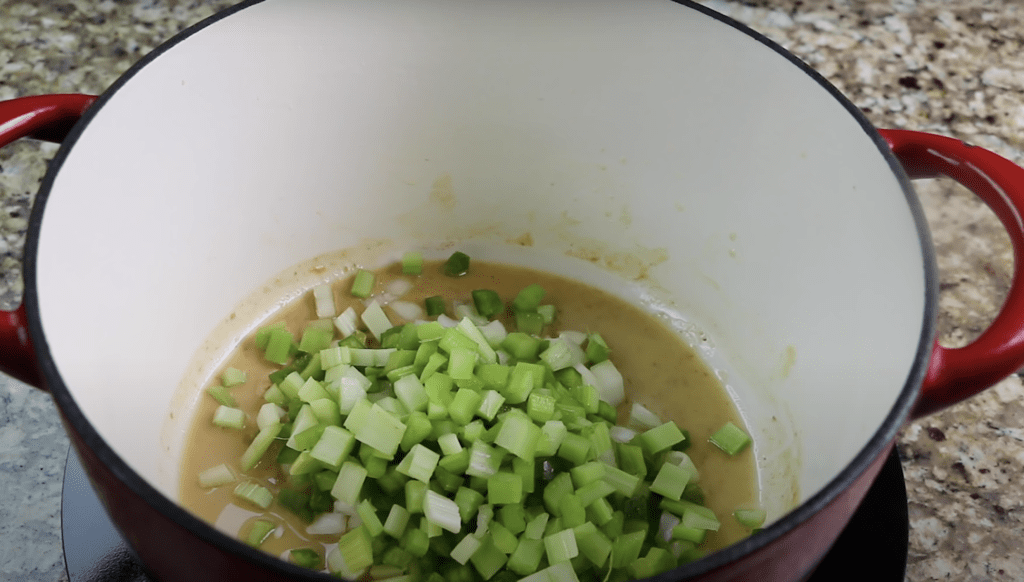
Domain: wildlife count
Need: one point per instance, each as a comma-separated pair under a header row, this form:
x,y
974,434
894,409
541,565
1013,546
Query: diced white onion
x,y
576,337
666,525
270,414
611,387
328,524
642,419
446,321
407,310
621,434
398,287
344,508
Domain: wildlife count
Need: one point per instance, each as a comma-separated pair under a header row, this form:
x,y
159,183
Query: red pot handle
x,y
50,118
956,374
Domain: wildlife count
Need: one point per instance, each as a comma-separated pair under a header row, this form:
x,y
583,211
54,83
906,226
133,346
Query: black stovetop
x,y
95,552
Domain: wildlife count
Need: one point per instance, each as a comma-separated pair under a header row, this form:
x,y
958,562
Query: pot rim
x,y
876,445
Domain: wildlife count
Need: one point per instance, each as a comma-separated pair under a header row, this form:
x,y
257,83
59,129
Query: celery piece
x,y
396,522
593,543
326,411
312,390
468,501
397,558
631,459
518,435
656,561
222,396
442,511
700,517
465,549
379,429
561,546
461,362
356,550
411,393
670,481
483,347
561,354
750,518
588,397
347,322
521,346
304,464
217,476
304,421
593,491
690,534
513,517
623,482
487,302
290,385
730,438
572,511
457,264
529,298
306,557
627,549
488,559
254,493
540,407
660,438
416,541
434,363
362,283
269,414
231,377
259,446
504,489
262,336
375,319
412,263
334,446
503,539
574,448
261,530
694,493
490,405
484,460
227,417
555,490
419,463
415,491
464,406
368,514
597,349
279,345
588,473
315,338
349,483
535,527
525,470
435,305
529,322
449,444
547,313
600,511
527,556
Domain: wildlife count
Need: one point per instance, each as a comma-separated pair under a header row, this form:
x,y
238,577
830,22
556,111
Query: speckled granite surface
x,y
951,68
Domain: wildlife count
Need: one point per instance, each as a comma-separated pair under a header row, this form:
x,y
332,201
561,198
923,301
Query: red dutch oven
x,y
654,148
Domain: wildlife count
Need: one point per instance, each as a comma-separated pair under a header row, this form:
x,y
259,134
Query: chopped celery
x,y
222,396
362,283
227,417
487,302
457,264
216,476
261,530
412,263
505,431
750,518
254,493
730,438
232,377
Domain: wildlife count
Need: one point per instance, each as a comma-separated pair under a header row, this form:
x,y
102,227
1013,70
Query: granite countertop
x,y
949,68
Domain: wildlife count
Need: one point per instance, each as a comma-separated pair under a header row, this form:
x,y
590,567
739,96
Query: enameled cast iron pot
x,y
654,148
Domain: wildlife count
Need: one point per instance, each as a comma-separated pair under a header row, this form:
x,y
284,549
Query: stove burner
x,y
95,552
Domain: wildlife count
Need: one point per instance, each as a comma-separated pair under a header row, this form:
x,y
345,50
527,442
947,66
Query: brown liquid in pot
x,y
660,372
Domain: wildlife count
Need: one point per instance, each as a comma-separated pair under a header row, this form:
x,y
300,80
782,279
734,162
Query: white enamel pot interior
x,y
647,147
